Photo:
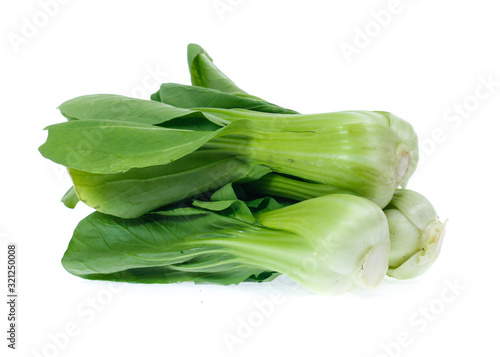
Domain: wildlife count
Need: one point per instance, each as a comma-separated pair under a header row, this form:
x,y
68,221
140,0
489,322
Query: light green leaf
x,y
108,146
134,192
70,198
117,107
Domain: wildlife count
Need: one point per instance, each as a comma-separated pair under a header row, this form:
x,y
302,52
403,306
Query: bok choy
x,y
356,152
328,244
318,194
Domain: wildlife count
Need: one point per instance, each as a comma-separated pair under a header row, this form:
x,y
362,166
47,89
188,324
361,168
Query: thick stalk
x,y
307,122
286,253
282,186
280,251
367,159
350,234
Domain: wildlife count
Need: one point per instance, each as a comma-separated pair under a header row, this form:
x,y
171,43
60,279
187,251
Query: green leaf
x,y
266,204
179,212
156,248
214,206
134,192
232,208
70,198
205,74
184,96
117,107
235,209
165,275
227,203
108,146
227,196
226,192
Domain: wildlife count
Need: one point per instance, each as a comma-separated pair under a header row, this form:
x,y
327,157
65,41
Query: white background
x,y
426,62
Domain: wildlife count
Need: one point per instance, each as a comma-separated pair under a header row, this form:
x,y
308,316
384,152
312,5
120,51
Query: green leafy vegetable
x,y
150,168
329,245
205,74
363,157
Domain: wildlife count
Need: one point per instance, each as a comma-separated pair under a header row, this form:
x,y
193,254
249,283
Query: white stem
x,y
374,266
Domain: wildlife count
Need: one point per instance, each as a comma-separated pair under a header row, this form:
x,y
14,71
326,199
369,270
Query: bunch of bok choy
x,y
208,183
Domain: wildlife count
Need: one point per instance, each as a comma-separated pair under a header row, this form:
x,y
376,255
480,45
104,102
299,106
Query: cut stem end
x,y
374,266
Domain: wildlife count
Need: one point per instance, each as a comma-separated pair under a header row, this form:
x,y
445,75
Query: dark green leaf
x,y
265,204
184,96
156,249
165,275
226,192
205,74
